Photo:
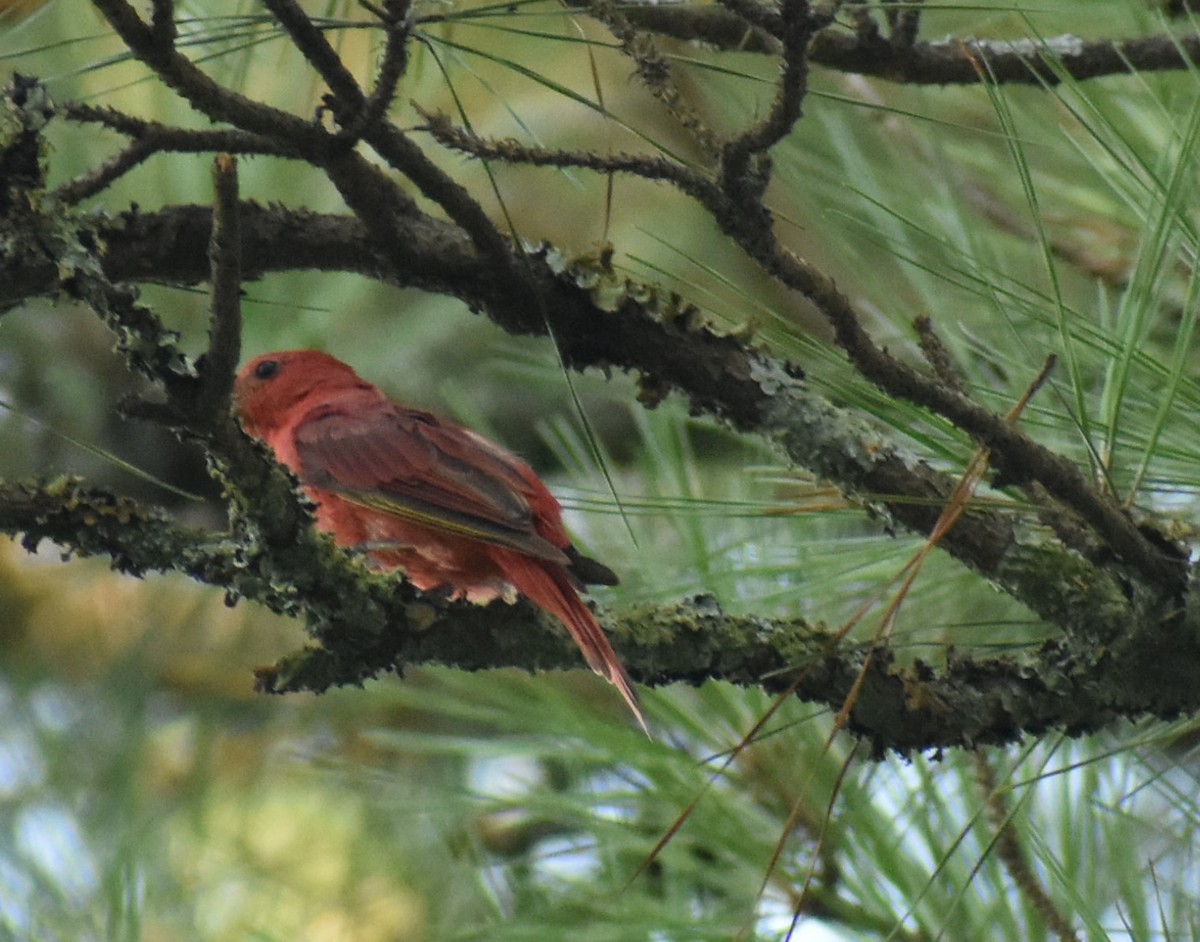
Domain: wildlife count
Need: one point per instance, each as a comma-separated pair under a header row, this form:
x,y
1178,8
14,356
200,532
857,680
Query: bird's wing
x,y
408,463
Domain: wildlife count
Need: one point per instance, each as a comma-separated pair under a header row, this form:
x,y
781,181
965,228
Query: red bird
x,y
417,493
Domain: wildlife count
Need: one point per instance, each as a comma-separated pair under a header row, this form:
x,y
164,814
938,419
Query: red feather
x,y
439,501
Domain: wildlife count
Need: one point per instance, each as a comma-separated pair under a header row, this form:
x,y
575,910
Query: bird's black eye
x,y
266,369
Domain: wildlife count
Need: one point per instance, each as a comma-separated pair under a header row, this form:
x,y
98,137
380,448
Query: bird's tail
x,y
550,587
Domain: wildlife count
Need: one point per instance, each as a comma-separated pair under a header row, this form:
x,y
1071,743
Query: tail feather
x,y
549,586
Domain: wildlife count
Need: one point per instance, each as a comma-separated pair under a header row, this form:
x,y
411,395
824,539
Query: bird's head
x,y
269,387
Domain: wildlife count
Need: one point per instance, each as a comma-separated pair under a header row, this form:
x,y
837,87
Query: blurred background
x,y
147,793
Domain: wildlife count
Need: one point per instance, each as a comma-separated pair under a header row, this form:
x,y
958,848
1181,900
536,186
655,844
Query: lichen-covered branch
x,y
600,323
367,623
1119,595
225,256
737,207
360,620
1009,62
746,220
741,26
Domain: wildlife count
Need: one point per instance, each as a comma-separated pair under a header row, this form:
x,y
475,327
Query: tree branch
x,y
1009,62
737,206
745,170
394,19
654,70
360,624
738,210
351,106
368,623
1129,638
671,348
740,26
149,138
225,256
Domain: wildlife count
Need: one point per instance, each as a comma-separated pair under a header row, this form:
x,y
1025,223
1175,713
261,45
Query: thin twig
x,y
225,256
394,146
1012,447
317,51
509,150
756,14
106,174
654,70
937,355
208,97
149,138
714,26
905,23
162,23
863,50
1012,855
736,155
866,27
371,194
391,69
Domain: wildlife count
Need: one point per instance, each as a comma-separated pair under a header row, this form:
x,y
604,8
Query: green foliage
x,y
148,795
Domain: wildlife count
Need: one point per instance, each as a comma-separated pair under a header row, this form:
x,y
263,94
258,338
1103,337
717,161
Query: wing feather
x,y
405,462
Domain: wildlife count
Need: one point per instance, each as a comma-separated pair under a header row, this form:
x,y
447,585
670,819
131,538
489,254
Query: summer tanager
x,y
414,492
